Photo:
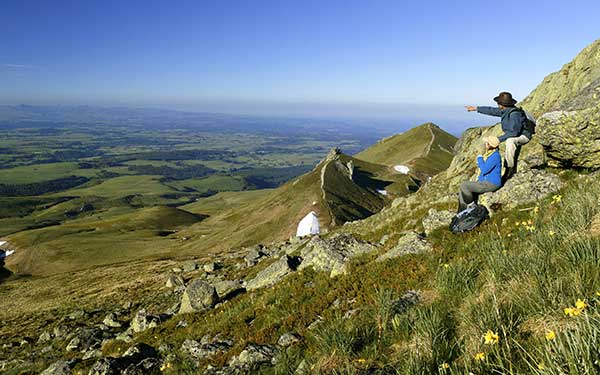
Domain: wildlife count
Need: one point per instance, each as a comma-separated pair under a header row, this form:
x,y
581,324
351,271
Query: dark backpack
x,y
528,122
469,219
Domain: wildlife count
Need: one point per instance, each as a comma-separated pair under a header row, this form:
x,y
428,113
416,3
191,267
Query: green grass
x,y
42,172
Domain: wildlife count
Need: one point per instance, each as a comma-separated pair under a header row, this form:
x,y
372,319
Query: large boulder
x,y
410,243
523,188
332,254
437,219
572,138
198,296
274,272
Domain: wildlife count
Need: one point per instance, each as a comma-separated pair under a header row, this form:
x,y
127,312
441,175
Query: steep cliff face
x,y
575,86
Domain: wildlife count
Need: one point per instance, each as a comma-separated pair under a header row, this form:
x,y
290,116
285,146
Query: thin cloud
x,y
18,67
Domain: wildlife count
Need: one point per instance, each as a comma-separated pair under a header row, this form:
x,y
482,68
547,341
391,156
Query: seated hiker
x,y
490,166
515,126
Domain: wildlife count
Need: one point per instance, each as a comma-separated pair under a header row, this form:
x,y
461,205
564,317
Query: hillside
x,y
392,293
328,190
425,149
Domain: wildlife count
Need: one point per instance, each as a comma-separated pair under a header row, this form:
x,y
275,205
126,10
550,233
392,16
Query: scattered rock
x,y
274,272
254,256
437,219
332,254
60,331
409,299
143,321
198,296
206,348
255,355
176,282
189,266
210,267
44,337
288,339
94,353
106,366
228,289
112,321
524,187
85,339
410,243
77,315
572,138
60,367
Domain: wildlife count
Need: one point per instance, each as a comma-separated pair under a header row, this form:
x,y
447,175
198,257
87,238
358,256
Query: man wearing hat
x,y
490,166
515,133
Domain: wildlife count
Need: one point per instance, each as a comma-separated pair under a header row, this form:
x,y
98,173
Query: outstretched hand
x,y
470,108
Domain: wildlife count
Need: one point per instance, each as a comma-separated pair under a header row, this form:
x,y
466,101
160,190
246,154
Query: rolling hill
x,y
425,149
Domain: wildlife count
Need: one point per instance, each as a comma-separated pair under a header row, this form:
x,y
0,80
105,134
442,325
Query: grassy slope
x,y
113,236
425,148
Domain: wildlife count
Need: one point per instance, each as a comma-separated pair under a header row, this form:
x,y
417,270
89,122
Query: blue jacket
x,y
512,124
491,168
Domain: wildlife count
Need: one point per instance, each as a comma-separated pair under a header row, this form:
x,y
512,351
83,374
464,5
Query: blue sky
x,y
322,57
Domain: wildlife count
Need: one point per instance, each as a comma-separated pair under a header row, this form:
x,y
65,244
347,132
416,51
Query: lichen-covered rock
x,y
525,187
274,272
60,367
143,321
111,320
436,219
206,348
332,254
228,288
254,355
176,282
288,339
189,266
410,243
85,339
198,296
572,138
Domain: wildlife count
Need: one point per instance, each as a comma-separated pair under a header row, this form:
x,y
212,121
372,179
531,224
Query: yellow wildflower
x,y
580,304
530,228
480,356
509,235
530,222
540,366
550,335
517,224
572,311
524,223
445,365
597,294
536,210
446,265
557,198
491,337
551,233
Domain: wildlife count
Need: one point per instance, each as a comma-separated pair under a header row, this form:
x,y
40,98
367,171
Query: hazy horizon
x,y
339,58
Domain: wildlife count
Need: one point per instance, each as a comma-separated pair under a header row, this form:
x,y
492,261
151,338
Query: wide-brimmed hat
x,y
505,98
493,141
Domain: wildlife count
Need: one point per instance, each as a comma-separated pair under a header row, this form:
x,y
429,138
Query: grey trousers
x,y
470,190
511,148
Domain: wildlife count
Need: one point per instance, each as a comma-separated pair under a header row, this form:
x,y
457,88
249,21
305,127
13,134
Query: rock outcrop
x,y
332,254
572,138
198,296
274,272
525,187
436,219
410,243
